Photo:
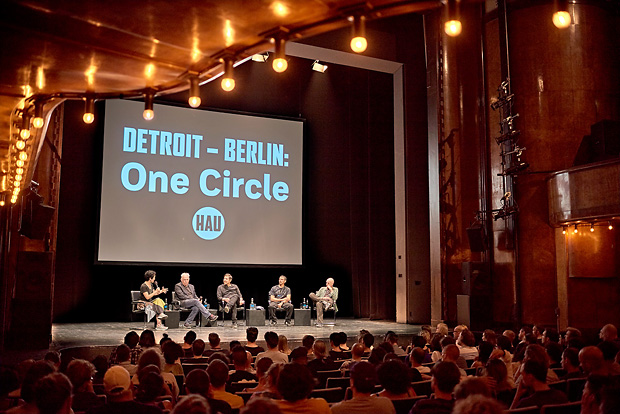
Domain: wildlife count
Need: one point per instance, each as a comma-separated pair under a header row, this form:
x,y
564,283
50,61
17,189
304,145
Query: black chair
x,y
568,408
558,385
405,405
342,382
330,309
236,387
222,314
422,387
246,395
348,394
187,368
322,376
574,388
331,395
137,307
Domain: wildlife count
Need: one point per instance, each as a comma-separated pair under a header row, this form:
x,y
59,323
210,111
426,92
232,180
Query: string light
x,y
279,63
359,42
25,129
591,227
228,82
20,145
148,113
89,111
194,92
563,229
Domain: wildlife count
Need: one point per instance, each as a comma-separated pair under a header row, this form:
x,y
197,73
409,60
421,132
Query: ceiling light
x,y
358,41
575,231
194,92
591,227
228,82
89,111
148,113
318,66
610,227
20,145
279,63
37,122
453,26
563,229
25,129
561,17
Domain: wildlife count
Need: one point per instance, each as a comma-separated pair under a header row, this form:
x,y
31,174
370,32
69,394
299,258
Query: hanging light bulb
x,y
194,92
89,111
359,42
453,26
148,113
228,82
279,63
20,145
563,229
561,17
37,122
19,171
18,177
25,129
575,231
610,227
23,156
19,163
592,227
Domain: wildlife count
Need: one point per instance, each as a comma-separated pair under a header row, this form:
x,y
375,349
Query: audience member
x,y
153,357
271,339
80,373
570,364
471,386
123,359
477,404
101,366
307,341
321,361
550,335
377,355
192,404
467,345
451,353
416,358
369,341
392,338
593,393
591,361
261,406
151,388
53,357
503,389
363,380
251,334
218,374
299,355
36,371
262,367
131,341
53,394
445,376
609,350
147,340
442,329
172,358
198,348
573,338
534,379
242,366
356,356
283,345
188,340
198,382
396,379
295,384
489,336
215,345
554,352
271,384
484,353
336,352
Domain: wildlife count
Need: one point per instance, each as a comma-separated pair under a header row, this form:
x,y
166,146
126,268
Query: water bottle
x,y
252,304
166,303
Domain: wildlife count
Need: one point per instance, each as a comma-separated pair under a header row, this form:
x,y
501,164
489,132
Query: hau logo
x,y
208,223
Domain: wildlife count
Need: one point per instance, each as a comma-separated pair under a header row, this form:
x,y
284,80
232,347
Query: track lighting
x,y
37,122
563,229
359,42
89,111
194,92
592,227
453,26
561,17
148,113
228,82
318,66
279,63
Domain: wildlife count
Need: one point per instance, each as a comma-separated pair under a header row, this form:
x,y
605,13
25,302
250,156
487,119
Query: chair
x,y
180,382
331,395
187,368
558,385
574,388
404,405
246,395
322,376
422,387
330,309
222,314
559,372
176,303
568,408
342,382
236,387
470,371
137,307
348,394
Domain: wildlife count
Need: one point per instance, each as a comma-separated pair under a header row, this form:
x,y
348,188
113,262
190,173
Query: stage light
x,y
18,177
319,67
359,42
610,227
20,145
592,227
260,57
23,156
228,82
148,113
37,122
575,231
563,229
453,26
561,17
89,111
19,171
25,129
279,63
19,163
194,92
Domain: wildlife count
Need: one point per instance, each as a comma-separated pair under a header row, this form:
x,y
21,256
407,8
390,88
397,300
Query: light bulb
x,y
88,118
194,101
19,171
228,84
610,227
15,191
148,114
563,229
1,203
20,145
17,183
575,231
24,133
89,111
18,177
453,28
359,44
194,93
561,19
358,39
19,163
592,227
280,65
37,122
23,156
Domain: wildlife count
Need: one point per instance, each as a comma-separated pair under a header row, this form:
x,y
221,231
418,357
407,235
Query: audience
x,y
80,373
395,378
307,342
198,382
123,358
477,404
192,404
283,345
295,383
534,381
251,334
53,394
36,371
570,364
218,374
188,340
363,380
242,366
272,339
173,353
444,377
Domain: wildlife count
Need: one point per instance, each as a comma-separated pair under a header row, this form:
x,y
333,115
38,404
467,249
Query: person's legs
x,y
234,313
289,311
319,312
272,313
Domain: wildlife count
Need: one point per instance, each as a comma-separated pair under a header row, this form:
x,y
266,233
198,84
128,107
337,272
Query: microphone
x,y
155,283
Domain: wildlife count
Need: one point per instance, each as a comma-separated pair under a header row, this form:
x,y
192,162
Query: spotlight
x,y
279,63
37,122
318,66
575,231
25,129
148,113
453,26
228,82
359,42
592,227
89,111
563,229
194,92
561,17
610,227
260,57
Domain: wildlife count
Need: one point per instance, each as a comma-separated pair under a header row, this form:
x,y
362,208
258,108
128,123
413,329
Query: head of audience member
x,y
123,354
593,393
467,338
471,386
608,333
164,338
357,352
496,369
189,337
570,360
219,355
360,336
392,338
283,344
261,406
477,404
334,340
295,382
343,340
262,366
150,357
80,373
151,386
271,338
251,334
192,404
214,340
53,357
490,336
523,332
537,353
272,376
117,384
53,394
198,348
131,339
299,355
510,335
391,356
534,373
447,340
457,331
218,373
363,377
435,344
420,341
197,382
484,351
504,343
36,371
233,344
550,335
148,369
442,329
23,367
319,349
450,353
101,365
172,352
147,339
377,355
240,358
387,347
417,356
554,352
537,331
307,341
444,377
368,340
573,338
591,360
609,350
394,376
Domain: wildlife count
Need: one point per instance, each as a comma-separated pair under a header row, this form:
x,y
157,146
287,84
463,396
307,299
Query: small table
x,y
302,317
255,317
173,319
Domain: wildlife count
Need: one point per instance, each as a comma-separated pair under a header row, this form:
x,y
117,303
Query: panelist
x,y
280,298
229,296
154,305
186,294
325,299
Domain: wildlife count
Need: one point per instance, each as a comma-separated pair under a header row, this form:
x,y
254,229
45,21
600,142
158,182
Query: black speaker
x,y
475,279
36,220
606,139
477,238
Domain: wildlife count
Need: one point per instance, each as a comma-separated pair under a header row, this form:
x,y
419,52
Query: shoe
x,y
187,325
162,316
226,309
234,324
161,328
287,323
319,325
273,322
212,317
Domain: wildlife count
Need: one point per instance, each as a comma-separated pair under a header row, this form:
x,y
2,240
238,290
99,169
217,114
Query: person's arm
x,y
335,294
241,301
148,295
220,293
179,292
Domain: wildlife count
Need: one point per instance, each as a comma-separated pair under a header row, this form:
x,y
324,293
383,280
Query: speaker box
x,y
475,279
474,311
606,139
36,220
477,238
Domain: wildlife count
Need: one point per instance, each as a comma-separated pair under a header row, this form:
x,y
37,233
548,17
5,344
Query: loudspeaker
x,y
606,139
474,311
477,238
36,220
475,278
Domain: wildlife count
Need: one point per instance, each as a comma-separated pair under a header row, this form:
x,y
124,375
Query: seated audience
x,y
36,371
283,345
151,388
511,336
172,358
356,356
336,352
445,376
609,350
501,388
609,333
271,384
131,340
471,386
570,364
416,358
80,373
573,338
262,367
261,406
242,366
442,329
218,374
295,383
392,338
395,378
299,355
593,393
321,361
153,357
123,358
307,341
198,382
101,365
251,334
192,404
534,380
188,340
215,345
363,380
591,361
271,339
467,345
368,340
554,352
53,394
489,336
377,355
550,335
451,353
477,404
484,353
53,357
198,348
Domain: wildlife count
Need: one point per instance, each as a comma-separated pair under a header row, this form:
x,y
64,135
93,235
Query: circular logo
x,y
208,223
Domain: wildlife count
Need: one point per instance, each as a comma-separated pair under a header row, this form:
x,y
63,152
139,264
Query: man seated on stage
x,y
186,294
280,298
229,296
325,299
155,306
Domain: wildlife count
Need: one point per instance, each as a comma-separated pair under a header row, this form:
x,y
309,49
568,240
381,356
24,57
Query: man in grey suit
x,y
325,299
186,294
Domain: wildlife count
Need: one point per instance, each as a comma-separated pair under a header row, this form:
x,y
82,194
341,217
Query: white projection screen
x,y
203,187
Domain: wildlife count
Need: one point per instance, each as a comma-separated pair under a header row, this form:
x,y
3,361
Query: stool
x,y
255,317
173,319
302,317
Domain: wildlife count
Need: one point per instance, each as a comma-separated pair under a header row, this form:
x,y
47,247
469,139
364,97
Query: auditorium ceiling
x,y
52,50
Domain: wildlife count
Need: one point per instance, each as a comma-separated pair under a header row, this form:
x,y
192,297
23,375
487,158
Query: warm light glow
x,y
280,9
13,200
148,114
40,82
453,28
37,122
561,19
24,133
229,33
149,71
575,231
228,84
90,73
194,101
564,230
319,67
20,145
19,171
88,118
17,184
1,203
592,227
18,177
359,44
23,156
89,111
260,57
610,226
280,65
27,91
19,163
15,191
194,93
